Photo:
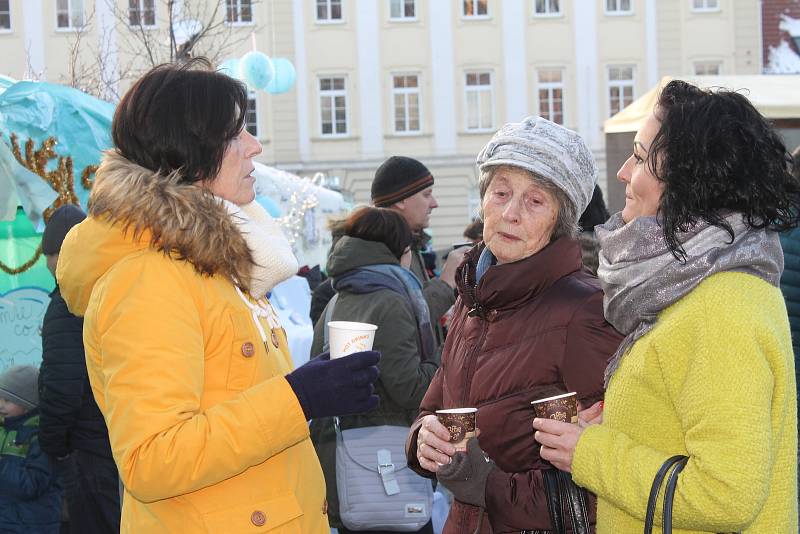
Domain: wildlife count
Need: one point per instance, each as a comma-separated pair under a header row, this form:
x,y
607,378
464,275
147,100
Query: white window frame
x,y
550,86
252,97
141,10
405,92
475,4
329,6
705,63
10,22
705,8
403,17
238,9
70,9
468,89
618,11
621,85
332,94
549,14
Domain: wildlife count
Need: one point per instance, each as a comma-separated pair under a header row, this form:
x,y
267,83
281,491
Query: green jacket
x,y
403,377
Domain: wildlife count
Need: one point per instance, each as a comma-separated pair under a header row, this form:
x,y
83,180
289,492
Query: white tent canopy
x,y
775,96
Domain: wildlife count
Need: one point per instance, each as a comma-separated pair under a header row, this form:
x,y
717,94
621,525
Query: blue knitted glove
x,y
342,386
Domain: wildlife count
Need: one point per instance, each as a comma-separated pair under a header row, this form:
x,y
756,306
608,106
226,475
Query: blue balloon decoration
x,y
284,78
271,206
256,69
230,67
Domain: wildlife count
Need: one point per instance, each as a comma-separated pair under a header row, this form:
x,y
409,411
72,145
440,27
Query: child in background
x,y
30,497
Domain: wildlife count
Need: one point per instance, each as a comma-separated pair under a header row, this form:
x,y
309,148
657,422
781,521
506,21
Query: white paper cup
x,y
347,337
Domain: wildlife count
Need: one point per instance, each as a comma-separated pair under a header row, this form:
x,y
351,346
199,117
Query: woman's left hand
x,y
558,441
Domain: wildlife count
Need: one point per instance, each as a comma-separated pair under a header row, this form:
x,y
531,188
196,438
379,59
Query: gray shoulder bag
x,y
377,490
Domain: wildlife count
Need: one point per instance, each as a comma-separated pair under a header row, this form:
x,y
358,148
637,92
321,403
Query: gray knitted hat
x,y
19,384
548,150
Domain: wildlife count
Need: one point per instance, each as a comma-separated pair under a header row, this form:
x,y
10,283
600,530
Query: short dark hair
x,y
180,117
716,154
474,230
382,225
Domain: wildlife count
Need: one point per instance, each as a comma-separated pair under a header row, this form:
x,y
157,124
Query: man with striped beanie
x,y
405,185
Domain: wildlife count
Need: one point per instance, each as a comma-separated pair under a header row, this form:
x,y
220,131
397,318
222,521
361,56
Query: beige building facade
x,y
432,79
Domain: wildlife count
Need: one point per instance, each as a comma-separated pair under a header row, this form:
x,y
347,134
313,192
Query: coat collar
x,y
507,286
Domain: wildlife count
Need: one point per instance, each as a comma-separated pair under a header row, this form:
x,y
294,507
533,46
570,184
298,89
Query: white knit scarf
x,y
641,277
273,258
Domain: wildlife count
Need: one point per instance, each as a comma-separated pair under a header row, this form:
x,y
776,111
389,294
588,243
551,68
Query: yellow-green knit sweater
x,y
714,380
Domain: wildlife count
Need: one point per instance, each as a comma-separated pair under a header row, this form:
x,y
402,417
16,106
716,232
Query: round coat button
x,y
258,518
248,349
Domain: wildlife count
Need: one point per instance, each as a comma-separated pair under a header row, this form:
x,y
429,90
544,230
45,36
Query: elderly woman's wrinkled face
x,y
642,189
518,216
235,182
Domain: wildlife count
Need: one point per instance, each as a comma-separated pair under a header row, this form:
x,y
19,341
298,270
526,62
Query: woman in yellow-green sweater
x,y
690,270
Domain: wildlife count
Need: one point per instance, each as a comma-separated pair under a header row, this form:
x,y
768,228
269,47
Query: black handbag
x,y
673,465
561,490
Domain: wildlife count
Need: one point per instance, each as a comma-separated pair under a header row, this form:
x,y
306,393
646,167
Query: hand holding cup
x,y
433,444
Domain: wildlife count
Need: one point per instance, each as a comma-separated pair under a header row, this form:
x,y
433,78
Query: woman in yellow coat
x,y
690,270
186,357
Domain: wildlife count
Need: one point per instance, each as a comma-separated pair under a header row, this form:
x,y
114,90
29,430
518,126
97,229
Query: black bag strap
x,y
669,496
554,503
559,488
655,489
577,503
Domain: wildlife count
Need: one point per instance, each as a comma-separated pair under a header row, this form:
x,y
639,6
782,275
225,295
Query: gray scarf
x,y
641,277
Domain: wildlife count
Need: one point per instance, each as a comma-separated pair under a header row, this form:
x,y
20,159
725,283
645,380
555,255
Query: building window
x,y
5,15
475,8
705,5
478,98
551,94
619,7
69,14
620,88
238,11
402,9
405,95
329,10
142,13
707,68
251,114
332,106
546,8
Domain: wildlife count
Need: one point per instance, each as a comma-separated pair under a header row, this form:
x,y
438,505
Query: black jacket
x,y
70,418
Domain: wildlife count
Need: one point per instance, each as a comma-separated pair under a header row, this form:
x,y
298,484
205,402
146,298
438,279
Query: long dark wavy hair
x,y
716,154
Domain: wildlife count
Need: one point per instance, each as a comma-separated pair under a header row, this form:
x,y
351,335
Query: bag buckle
x,y
386,472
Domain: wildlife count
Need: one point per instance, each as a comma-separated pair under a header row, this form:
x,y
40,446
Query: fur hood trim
x,y
183,220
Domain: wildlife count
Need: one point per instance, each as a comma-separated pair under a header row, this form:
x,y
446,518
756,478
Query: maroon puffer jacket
x,y
527,330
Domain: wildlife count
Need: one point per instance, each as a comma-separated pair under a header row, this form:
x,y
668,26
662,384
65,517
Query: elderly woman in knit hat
x,y
529,324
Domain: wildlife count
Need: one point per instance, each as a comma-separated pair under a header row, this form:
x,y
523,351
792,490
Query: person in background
x,y
474,231
691,269
72,429
594,214
30,495
528,325
324,292
405,185
187,359
369,270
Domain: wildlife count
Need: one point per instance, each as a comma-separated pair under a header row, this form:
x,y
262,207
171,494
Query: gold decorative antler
x,y
61,179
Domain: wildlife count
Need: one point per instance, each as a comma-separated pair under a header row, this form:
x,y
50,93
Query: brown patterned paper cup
x,y
561,408
347,337
461,424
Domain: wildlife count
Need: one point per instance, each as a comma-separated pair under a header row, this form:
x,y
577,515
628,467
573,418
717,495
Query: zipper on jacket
x,y
472,359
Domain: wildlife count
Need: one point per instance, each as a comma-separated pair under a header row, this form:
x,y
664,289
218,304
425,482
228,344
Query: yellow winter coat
x,y
713,380
206,432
